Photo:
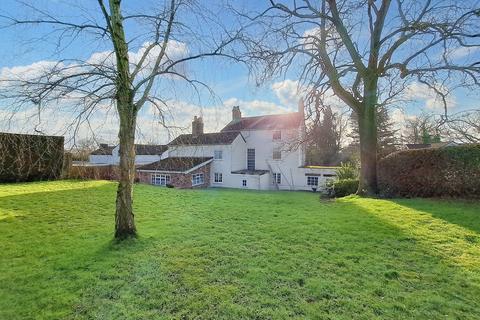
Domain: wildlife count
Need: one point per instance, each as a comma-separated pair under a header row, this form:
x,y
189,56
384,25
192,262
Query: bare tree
x,y
464,126
367,52
423,128
115,78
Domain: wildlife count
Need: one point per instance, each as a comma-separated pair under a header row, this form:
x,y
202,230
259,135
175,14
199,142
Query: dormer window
x,y
277,135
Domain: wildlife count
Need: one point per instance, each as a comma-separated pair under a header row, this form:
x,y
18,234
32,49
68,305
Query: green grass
x,y
227,254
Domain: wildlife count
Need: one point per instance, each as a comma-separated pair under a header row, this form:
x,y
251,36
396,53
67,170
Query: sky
x,y
27,49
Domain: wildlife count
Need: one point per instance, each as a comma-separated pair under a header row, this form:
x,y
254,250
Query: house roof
x,y
140,149
412,146
205,139
177,164
269,122
104,150
150,149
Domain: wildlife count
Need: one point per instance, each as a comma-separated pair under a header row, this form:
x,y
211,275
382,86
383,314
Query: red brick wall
x,y
179,180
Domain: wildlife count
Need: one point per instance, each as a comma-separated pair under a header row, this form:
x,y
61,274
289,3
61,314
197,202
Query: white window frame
x,y
277,151
244,182
277,178
310,178
218,154
198,179
277,135
218,177
163,179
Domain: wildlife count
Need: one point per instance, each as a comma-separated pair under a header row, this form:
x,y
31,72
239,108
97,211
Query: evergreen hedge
x,y
450,171
26,157
345,187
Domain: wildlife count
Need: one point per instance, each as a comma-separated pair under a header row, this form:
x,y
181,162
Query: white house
x,y
145,153
262,153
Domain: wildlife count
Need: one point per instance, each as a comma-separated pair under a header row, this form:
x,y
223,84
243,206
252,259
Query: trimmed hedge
x,y
109,172
345,187
450,171
26,157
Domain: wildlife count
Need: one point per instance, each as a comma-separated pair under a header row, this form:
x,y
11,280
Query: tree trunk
x,y
124,218
367,125
124,222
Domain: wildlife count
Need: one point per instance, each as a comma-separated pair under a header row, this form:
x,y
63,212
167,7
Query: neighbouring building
x,y
413,146
262,153
145,153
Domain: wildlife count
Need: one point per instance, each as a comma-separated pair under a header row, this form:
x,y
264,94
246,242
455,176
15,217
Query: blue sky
x,y
231,82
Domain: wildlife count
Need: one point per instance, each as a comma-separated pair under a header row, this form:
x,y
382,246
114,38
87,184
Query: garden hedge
x,y
26,157
435,172
345,187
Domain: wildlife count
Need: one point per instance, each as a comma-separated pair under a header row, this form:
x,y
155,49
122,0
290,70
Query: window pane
x,y
251,159
277,154
312,181
277,178
218,154
277,135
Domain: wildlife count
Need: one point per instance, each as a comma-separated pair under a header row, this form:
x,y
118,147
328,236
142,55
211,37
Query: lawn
x,y
231,254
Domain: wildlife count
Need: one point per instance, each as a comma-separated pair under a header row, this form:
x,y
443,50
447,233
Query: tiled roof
x,y
178,164
150,149
205,139
268,122
140,149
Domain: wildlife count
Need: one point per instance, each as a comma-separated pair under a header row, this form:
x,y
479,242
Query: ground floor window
x,y
218,177
244,182
197,179
160,179
312,181
277,178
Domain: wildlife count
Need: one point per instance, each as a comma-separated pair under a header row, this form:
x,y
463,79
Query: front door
x,y
251,159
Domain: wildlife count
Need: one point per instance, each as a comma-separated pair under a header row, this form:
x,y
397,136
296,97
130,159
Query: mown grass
x,y
229,254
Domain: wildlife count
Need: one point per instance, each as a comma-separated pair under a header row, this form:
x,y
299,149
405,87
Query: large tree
x,y
325,131
367,53
128,81
386,132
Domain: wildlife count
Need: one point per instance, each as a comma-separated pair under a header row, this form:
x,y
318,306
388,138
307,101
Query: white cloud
x,y
463,52
175,50
288,92
420,92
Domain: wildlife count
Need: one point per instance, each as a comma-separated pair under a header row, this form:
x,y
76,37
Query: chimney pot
x,y
236,113
197,126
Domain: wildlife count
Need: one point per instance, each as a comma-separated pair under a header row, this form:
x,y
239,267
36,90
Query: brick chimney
x,y
197,126
236,113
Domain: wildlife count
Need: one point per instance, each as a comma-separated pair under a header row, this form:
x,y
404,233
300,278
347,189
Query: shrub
x,y
345,187
169,185
25,157
449,171
347,171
